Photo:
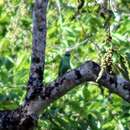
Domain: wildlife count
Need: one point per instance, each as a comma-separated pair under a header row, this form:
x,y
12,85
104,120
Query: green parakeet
x,y
65,63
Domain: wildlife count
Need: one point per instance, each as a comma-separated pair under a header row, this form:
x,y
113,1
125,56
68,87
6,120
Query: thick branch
x,y
39,43
86,72
25,117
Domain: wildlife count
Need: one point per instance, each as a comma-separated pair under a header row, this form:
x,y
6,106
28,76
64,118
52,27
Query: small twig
x,y
79,7
117,15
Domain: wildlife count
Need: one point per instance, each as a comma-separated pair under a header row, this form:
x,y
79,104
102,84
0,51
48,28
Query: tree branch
x,y
86,72
24,118
35,82
39,43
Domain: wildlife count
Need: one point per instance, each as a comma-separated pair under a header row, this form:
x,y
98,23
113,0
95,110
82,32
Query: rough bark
x,y
25,117
40,96
86,72
39,41
16,120
21,119
38,49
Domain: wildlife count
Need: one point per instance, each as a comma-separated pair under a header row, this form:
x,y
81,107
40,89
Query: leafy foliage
x,y
84,107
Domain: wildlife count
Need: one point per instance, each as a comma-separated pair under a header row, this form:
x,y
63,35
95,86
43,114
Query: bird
x,y
64,64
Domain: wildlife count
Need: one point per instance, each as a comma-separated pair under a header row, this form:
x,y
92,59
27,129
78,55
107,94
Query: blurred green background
x,y
83,108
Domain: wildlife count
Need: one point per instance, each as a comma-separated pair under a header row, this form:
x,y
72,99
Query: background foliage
x,y
83,108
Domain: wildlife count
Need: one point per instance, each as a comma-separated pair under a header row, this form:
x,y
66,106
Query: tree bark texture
x,y
40,96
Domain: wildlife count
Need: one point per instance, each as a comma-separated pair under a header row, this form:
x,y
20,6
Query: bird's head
x,y
67,53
